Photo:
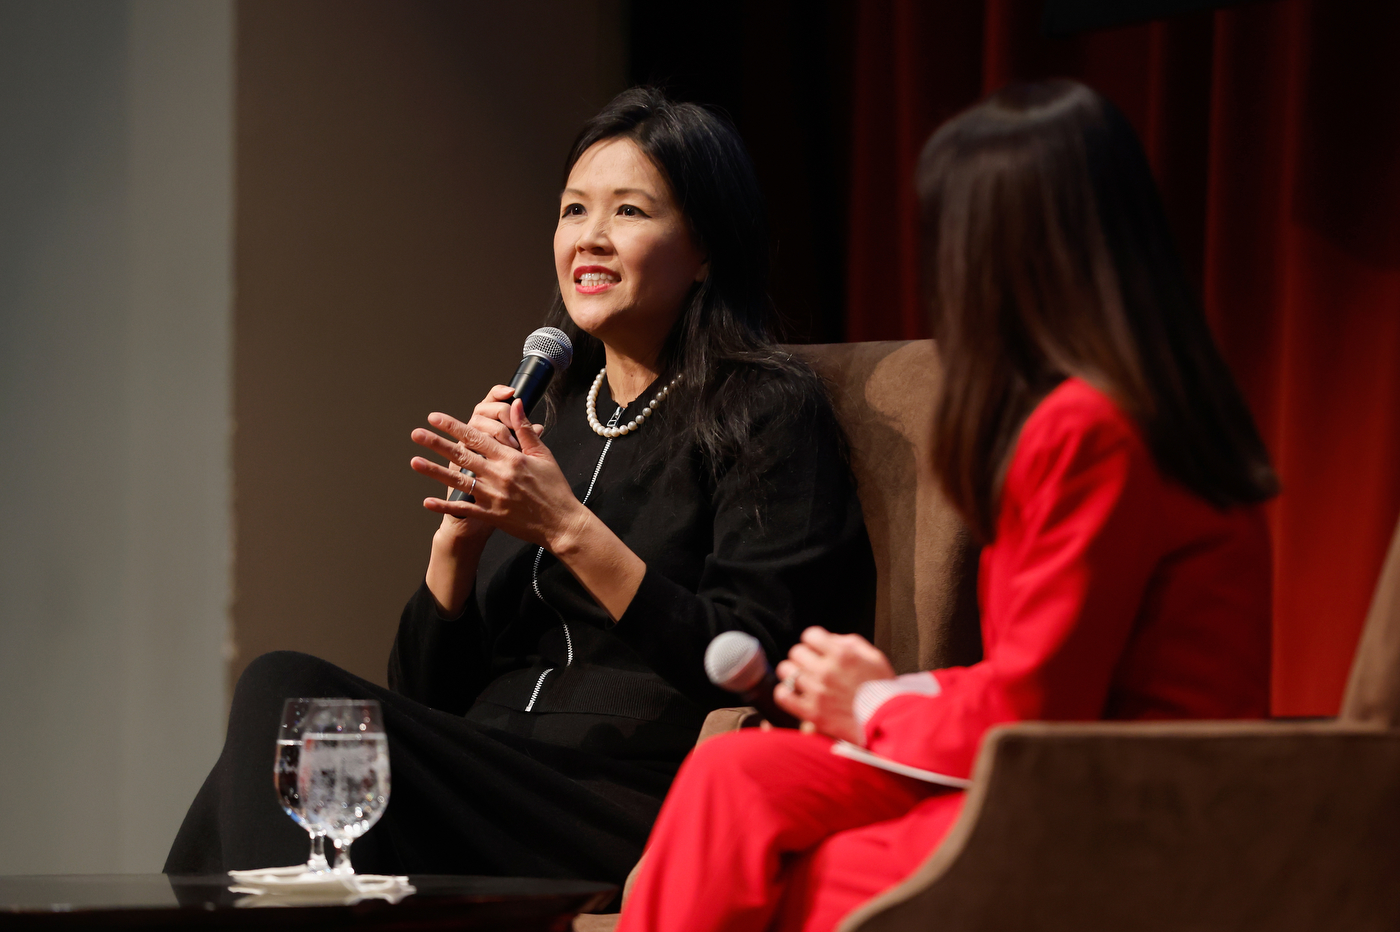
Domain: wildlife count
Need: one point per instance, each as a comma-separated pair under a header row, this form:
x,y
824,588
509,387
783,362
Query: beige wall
x,y
376,180
397,177
115,248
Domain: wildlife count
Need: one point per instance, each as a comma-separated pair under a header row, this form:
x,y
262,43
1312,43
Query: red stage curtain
x,y
1274,130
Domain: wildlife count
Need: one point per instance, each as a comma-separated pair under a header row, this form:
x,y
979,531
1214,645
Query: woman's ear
x,y
703,272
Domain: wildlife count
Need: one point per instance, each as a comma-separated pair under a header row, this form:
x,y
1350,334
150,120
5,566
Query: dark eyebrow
x,y
646,194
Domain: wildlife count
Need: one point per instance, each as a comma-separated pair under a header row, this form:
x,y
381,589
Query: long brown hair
x,y
1047,255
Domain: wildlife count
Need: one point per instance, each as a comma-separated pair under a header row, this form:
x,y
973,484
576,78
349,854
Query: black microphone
x,y
735,661
548,350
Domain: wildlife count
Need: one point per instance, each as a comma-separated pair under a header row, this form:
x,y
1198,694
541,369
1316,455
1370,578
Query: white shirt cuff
x,y
872,694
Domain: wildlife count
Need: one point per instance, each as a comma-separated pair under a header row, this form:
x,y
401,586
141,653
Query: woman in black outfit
x,y
547,678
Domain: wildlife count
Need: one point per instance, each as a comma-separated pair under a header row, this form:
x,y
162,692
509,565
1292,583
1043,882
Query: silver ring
x,y
472,488
791,683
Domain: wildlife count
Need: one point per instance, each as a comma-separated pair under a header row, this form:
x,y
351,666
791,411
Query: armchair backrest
x,y
926,604
1373,689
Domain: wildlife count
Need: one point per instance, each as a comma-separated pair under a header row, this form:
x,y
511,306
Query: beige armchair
x,y
926,594
1280,826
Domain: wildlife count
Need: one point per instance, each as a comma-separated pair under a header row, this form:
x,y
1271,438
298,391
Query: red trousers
x,y
771,830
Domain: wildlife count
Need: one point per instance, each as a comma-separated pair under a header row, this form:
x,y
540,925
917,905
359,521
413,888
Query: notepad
x,y
857,753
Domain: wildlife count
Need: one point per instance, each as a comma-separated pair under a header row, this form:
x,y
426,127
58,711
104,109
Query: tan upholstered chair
x,y
926,596
1280,825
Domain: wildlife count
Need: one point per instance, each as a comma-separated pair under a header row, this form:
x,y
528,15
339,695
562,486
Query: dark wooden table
x,y
129,901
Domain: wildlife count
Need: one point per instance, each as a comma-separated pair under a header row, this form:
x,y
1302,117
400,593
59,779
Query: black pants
x,y
466,799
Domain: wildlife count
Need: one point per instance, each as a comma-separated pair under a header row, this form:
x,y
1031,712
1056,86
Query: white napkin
x,y
296,886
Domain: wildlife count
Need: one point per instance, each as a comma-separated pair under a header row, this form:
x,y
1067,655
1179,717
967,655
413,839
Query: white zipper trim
x,y
536,694
535,574
599,468
539,555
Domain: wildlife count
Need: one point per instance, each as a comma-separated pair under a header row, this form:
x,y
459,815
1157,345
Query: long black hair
x,y
1047,256
722,344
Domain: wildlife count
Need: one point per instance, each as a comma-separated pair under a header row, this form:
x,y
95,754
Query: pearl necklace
x,y
625,427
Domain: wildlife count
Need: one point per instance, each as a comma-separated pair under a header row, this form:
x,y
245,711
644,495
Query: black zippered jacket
x,y
770,547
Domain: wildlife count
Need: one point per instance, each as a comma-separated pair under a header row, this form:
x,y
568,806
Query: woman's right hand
x,y
459,538
488,417
819,679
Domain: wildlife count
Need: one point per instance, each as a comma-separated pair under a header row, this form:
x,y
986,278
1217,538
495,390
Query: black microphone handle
x,y
529,382
531,379
761,698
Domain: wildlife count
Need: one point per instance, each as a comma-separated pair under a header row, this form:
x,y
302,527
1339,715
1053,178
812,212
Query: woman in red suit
x,y
1094,441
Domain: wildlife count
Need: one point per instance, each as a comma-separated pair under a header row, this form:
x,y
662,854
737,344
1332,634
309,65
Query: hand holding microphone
x,y
498,458
548,350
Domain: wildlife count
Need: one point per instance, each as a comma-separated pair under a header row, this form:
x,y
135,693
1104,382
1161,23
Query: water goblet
x,y
284,778
343,772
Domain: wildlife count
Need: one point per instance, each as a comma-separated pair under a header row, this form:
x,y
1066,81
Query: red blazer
x,y
1110,592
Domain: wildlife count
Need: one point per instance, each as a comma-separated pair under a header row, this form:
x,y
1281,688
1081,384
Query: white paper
x,y
857,753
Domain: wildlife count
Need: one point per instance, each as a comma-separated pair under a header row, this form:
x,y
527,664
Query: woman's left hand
x,y
522,492
820,677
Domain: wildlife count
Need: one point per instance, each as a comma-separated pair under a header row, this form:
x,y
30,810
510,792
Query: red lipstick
x,y
597,285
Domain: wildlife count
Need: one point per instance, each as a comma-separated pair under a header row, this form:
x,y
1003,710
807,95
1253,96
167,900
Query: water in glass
x,y
343,772
284,777
285,774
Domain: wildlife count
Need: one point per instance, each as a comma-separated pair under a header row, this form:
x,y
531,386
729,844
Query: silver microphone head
x,y
552,344
735,661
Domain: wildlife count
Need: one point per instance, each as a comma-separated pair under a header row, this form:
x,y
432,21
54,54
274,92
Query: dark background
x,y
780,71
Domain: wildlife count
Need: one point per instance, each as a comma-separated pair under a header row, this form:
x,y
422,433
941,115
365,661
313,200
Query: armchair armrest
x,y
721,720
1165,826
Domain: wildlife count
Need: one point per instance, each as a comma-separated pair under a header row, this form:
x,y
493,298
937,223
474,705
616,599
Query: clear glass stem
x,y
318,863
342,857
